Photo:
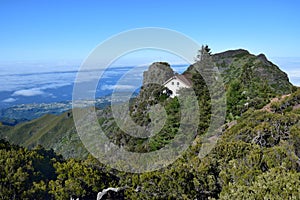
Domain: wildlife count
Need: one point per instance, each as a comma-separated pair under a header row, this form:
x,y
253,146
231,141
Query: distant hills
x,y
25,112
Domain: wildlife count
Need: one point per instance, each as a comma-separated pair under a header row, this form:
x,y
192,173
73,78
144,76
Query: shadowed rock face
x,y
158,72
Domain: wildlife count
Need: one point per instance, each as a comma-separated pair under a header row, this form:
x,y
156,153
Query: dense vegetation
x,y
42,174
256,157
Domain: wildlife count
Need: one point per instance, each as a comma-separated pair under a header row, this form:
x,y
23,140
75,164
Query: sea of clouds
x,y
53,82
41,84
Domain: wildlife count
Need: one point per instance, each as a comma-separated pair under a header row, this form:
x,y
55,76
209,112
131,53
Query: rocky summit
x,y
158,73
234,63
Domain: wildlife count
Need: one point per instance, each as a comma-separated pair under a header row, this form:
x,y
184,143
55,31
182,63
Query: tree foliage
x,y
41,174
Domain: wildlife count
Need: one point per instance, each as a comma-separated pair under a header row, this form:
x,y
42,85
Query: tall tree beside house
x,y
203,53
205,65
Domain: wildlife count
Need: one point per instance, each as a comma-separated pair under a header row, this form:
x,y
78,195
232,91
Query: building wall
x,y
174,85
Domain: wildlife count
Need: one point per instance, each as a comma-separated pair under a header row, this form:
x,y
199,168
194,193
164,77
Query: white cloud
x,y
294,73
88,76
28,92
17,82
118,87
9,100
53,86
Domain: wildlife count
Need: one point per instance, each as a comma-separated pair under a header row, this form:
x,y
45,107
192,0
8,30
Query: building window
x,y
172,83
177,83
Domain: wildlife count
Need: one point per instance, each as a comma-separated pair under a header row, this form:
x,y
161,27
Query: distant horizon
x,y
290,65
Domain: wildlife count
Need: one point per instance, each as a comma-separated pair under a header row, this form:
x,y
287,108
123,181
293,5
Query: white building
x,y
177,82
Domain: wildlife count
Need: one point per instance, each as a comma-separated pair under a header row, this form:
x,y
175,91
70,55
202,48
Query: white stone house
x,y
177,82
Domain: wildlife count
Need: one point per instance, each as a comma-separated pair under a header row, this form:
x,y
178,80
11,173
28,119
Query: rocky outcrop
x,y
264,59
232,65
158,72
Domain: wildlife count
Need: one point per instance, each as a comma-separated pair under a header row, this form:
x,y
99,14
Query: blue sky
x,y
38,36
54,34
67,30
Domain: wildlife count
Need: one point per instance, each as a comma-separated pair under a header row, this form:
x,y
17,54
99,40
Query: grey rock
x,y
158,72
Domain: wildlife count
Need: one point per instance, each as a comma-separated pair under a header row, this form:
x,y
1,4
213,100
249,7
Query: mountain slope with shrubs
x,y
256,155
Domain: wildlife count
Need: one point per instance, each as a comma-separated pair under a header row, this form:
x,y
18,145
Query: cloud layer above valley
x,y
9,100
28,92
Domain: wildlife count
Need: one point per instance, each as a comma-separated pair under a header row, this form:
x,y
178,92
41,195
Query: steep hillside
x,y
234,64
256,158
250,81
50,131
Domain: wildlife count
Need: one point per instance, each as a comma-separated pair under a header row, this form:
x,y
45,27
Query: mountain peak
x,y
232,53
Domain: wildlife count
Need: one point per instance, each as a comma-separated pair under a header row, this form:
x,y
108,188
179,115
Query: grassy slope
x,y
50,131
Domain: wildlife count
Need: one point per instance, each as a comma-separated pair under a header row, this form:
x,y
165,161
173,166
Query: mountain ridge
x,y
232,65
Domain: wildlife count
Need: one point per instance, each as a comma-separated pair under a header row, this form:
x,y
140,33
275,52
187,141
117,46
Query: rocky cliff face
x,y
158,72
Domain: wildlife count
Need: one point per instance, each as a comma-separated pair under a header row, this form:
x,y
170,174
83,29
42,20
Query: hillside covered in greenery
x,y
256,155
256,158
